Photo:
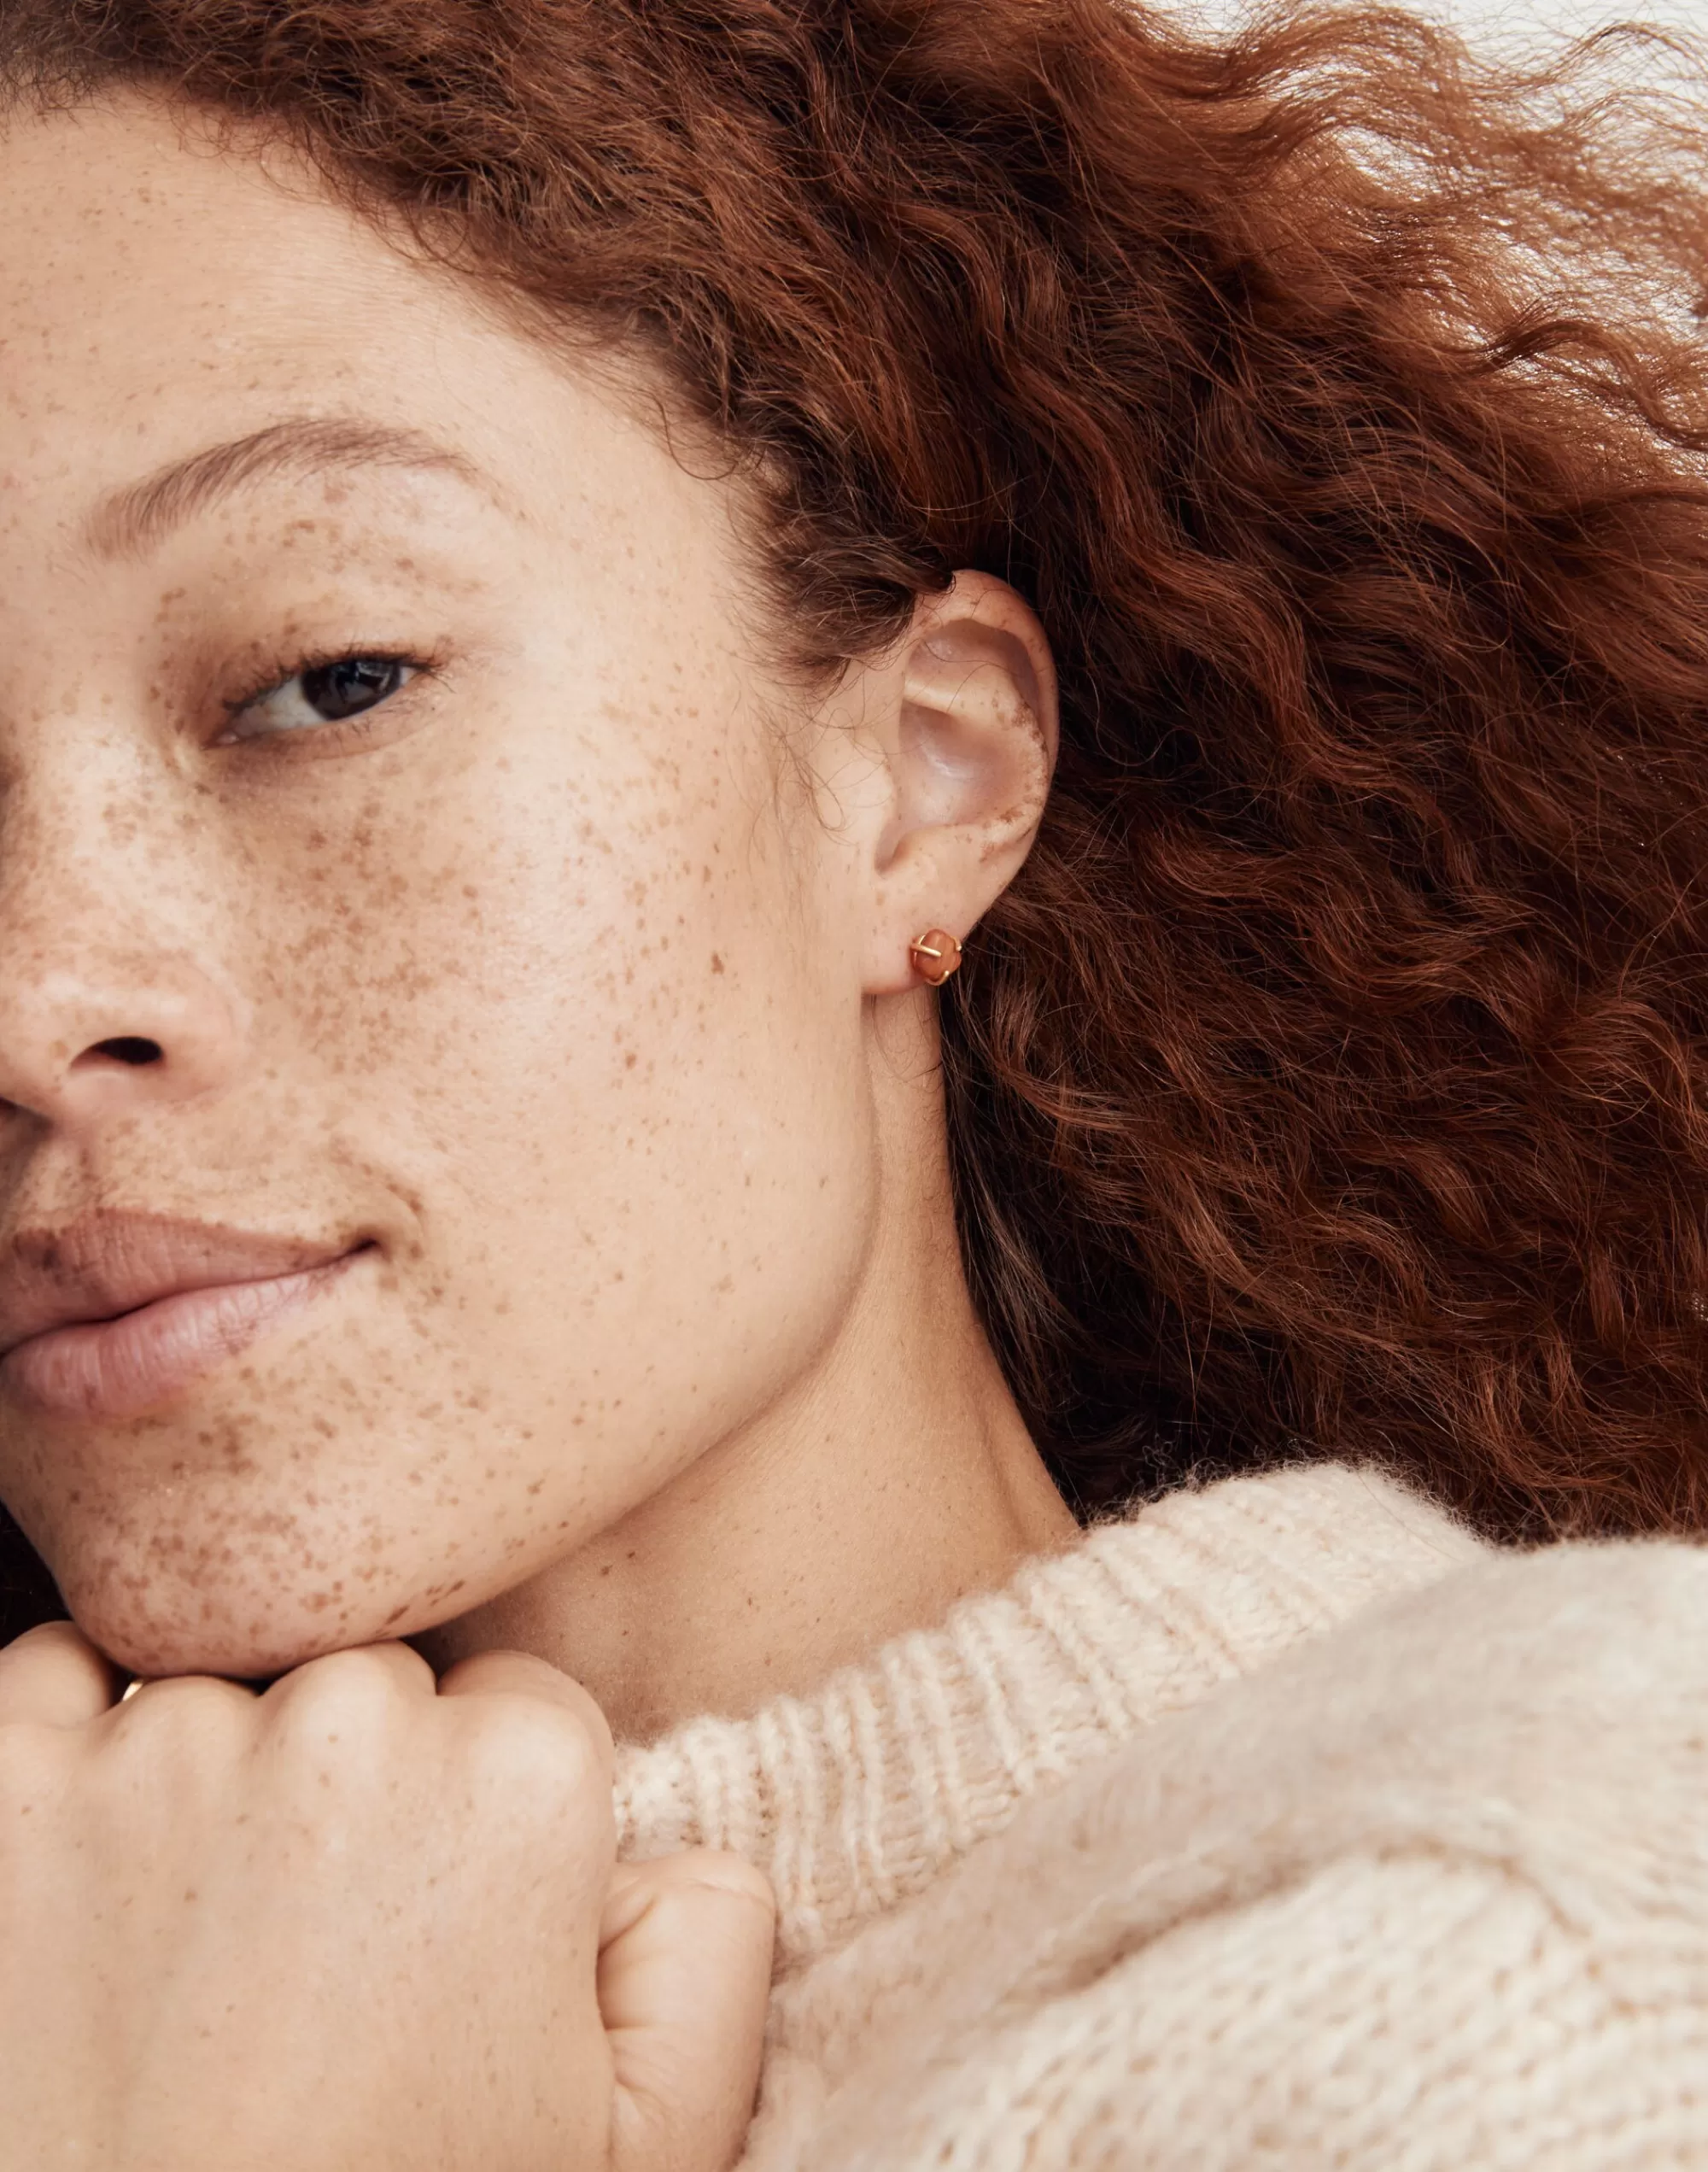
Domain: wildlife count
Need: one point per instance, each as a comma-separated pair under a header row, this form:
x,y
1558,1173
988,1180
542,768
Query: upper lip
x,y
107,1264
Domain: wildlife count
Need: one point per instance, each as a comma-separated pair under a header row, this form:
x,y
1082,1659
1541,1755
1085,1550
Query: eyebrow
x,y
134,519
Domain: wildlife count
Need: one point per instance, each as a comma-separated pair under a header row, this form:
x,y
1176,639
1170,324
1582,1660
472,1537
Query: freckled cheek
x,y
556,999
398,954
609,925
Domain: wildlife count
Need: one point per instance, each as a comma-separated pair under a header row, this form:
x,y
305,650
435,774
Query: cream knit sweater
x,y
1284,1824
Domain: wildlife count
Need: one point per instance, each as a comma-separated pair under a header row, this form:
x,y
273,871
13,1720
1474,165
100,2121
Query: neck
x,y
892,1477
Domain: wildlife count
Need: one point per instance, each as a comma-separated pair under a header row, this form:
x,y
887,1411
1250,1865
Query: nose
x,y
106,1010
115,992
109,1032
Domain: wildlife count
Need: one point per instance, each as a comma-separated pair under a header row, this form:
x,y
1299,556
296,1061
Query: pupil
x,y
352,684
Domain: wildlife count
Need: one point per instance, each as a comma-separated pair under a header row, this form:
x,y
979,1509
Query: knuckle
x,y
533,1755
355,1696
46,1639
172,1743
192,1703
53,1672
520,1674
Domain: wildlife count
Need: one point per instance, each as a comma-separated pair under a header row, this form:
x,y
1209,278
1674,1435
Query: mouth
x,y
111,1317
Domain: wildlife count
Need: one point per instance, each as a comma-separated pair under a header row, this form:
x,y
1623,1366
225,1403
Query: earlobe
x,y
971,748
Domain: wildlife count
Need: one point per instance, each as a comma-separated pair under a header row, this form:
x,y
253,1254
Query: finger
x,y
55,1677
358,1668
684,1976
518,1674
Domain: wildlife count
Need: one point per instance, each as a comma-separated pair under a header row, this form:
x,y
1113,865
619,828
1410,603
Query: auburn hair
x,y
1332,1079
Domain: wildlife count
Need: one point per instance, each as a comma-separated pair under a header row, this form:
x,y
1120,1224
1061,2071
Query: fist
x,y
362,1921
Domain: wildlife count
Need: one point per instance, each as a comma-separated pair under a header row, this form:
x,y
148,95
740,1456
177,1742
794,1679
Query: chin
x,y
150,1635
246,1624
245,1574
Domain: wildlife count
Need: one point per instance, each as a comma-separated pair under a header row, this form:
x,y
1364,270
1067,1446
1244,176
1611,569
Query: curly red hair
x,y
1332,1079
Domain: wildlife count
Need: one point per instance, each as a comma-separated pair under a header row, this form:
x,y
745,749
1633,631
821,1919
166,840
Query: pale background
x,y
1528,23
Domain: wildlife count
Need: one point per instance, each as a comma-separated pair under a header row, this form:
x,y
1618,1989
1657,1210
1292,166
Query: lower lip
x,y
120,1368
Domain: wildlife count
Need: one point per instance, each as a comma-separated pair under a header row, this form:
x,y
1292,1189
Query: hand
x,y
362,1923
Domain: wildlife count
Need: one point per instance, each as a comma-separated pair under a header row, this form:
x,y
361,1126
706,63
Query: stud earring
x,y
936,954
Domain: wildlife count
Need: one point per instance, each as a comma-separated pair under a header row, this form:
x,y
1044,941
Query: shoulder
x,y
1440,1875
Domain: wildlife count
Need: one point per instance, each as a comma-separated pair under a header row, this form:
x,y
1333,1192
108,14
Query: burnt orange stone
x,y
935,955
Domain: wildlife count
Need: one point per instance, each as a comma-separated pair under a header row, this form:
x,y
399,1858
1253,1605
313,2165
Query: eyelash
x,y
360,725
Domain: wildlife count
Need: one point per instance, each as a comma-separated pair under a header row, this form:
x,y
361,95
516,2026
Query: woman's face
x,y
410,906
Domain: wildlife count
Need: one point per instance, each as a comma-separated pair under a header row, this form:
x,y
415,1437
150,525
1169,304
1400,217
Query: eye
x,y
319,694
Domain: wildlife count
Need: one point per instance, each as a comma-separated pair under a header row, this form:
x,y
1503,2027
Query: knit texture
x,y
1283,1825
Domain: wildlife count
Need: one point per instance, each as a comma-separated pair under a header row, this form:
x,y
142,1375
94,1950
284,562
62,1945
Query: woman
x,y
552,555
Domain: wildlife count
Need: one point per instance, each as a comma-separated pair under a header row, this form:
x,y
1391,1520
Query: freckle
x,y
716,963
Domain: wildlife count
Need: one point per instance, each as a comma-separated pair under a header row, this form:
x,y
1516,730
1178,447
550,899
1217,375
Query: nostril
x,y
125,1048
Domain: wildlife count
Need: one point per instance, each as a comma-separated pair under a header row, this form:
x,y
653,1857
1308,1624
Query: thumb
x,y
684,1975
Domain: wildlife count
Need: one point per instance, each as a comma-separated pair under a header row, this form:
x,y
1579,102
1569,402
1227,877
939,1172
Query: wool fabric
x,y
1283,1823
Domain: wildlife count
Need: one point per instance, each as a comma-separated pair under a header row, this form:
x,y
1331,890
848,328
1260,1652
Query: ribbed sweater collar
x,y
857,1797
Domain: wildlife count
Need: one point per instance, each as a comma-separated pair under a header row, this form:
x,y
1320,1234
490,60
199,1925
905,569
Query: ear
x,y
966,722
